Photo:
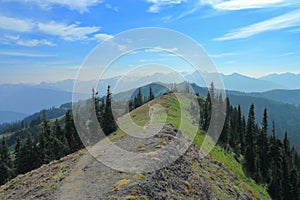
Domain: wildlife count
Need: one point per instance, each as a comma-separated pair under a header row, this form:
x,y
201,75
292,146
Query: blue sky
x,y
48,40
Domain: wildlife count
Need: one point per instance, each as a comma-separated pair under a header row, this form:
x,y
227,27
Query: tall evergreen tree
x,y
138,100
212,92
275,186
5,157
262,143
239,129
59,141
110,124
17,152
206,112
151,94
93,123
225,135
243,136
5,163
45,141
250,153
71,134
28,156
286,168
295,187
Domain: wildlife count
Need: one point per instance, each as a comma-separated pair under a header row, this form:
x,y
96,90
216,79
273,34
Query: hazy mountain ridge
x,y
25,98
29,99
233,81
10,116
236,81
290,80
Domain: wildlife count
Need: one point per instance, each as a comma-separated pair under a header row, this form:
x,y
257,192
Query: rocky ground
x,y
81,176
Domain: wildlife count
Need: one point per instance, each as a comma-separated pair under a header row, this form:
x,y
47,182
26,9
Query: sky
x,y
49,40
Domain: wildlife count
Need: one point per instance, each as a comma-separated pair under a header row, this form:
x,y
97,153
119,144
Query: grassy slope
x,y
140,116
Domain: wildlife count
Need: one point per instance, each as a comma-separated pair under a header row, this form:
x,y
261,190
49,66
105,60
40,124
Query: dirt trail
x,y
80,176
91,179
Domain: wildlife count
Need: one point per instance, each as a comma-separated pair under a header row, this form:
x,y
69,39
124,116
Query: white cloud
x,y
245,4
160,49
114,8
71,32
102,36
78,5
221,55
23,54
28,43
158,4
291,19
68,32
14,24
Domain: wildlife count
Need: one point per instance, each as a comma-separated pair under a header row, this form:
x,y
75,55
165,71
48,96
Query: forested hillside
x,y
267,159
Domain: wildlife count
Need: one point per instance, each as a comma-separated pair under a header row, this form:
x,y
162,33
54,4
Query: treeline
x,y
267,159
104,114
54,142
140,99
11,127
33,120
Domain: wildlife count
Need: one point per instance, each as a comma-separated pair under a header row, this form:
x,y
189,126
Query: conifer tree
x,y
286,168
151,94
130,105
275,186
138,100
239,129
294,181
93,124
5,163
47,142
225,135
101,112
206,113
3,173
28,156
17,152
71,134
250,142
262,142
243,136
110,124
5,157
60,146
212,92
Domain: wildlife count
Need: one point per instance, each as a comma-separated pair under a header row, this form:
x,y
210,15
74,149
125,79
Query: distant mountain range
x,y
233,81
289,80
25,98
29,99
280,95
10,116
237,82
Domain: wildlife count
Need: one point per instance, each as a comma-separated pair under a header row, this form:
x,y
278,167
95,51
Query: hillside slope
x,y
81,176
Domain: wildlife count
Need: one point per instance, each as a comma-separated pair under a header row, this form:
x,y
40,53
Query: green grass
x,y
178,115
259,192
